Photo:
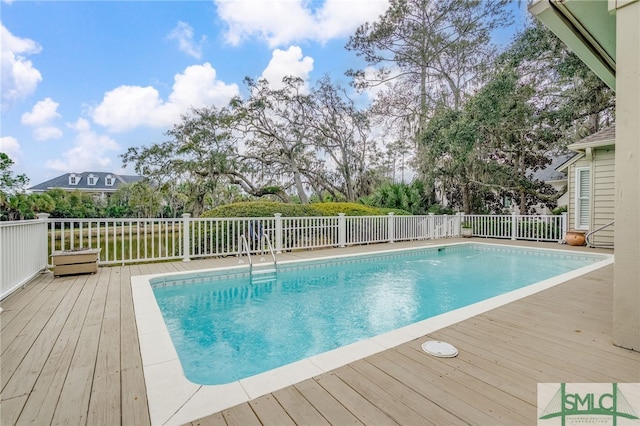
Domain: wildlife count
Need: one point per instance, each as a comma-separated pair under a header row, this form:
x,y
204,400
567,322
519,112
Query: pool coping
x,y
173,399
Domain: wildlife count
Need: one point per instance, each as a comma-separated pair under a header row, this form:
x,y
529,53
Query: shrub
x,y
349,209
262,209
397,212
559,210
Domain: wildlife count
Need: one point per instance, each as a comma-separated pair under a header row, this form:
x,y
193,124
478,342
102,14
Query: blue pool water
x,y
226,328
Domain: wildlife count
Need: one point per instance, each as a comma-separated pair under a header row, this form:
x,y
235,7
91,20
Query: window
x,y
91,180
108,180
583,197
73,179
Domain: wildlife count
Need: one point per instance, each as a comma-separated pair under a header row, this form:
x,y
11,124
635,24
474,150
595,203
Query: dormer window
x,y
92,180
109,180
73,179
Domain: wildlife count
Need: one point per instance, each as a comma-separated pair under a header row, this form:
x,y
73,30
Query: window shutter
x,y
583,197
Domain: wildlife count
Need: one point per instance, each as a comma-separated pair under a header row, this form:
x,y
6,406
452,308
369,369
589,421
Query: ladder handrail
x,y
247,249
273,255
586,238
245,245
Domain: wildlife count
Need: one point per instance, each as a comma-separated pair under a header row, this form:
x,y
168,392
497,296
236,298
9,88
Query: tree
x,y
568,93
10,184
279,144
399,196
13,203
452,160
515,134
341,131
429,51
200,159
72,204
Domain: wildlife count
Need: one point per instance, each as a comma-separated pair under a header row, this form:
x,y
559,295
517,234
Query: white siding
x,y
602,196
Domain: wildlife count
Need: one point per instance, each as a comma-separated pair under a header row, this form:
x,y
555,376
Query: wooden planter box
x,y
73,262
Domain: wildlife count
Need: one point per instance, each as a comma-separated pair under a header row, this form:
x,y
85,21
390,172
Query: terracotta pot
x,y
575,238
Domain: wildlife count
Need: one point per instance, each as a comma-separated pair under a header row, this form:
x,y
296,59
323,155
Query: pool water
x,y
226,328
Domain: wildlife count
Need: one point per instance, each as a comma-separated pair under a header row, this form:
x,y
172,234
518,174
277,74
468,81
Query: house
x,y
100,184
605,35
591,186
555,177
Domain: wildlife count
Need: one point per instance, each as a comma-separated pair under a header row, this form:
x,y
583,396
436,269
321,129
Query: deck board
x,y
324,402
267,407
70,354
104,406
23,361
42,402
73,404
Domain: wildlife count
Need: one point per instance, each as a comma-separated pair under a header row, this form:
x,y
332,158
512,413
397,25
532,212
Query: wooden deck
x,y
70,354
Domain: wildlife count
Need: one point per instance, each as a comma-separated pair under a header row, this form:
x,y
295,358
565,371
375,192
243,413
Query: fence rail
x,y
25,246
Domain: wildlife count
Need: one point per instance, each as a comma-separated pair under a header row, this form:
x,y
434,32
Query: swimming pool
x,y
174,399
226,327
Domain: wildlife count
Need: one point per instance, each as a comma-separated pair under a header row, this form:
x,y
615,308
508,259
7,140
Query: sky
x,y
82,81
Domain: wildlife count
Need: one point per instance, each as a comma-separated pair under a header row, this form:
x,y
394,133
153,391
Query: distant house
x,y
554,176
591,184
99,184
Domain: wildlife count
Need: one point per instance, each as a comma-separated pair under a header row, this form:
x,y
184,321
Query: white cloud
x,y
183,33
45,133
128,107
286,63
19,77
90,151
40,118
10,146
281,22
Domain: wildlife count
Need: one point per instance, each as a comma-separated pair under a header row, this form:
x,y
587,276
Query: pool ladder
x,y
587,238
261,274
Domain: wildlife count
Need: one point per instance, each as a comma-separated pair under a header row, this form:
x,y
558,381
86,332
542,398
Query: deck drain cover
x,y
439,349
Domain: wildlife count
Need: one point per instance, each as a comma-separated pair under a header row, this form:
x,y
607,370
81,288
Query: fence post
x,y
459,223
514,226
342,230
185,237
45,250
563,227
278,232
432,225
392,228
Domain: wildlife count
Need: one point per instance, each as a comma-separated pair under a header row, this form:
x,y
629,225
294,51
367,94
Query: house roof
x,y
551,172
587,27
605,137
602,138
62,181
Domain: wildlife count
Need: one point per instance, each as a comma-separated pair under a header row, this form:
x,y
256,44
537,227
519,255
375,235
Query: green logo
x,y
583,402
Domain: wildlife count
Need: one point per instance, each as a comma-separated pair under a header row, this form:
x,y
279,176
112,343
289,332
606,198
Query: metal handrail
x,y
245,244
273,255
586,238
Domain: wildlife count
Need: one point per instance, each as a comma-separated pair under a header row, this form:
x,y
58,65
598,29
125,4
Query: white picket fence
x,y
25,246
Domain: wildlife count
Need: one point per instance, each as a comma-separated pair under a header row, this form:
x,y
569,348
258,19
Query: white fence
x,y
519,227
23,253
145,240
25,246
